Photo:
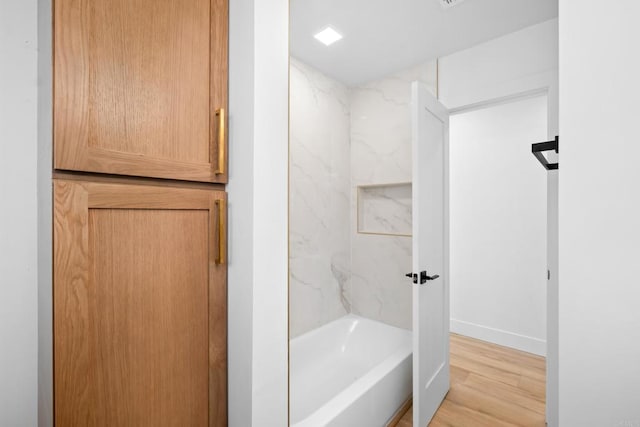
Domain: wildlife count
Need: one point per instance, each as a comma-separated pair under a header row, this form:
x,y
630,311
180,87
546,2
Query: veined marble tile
x,y
319,199
381,154
381,126
379,288
385,209
341,138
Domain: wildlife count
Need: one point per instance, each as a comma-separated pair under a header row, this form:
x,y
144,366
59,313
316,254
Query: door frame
x,y
544,83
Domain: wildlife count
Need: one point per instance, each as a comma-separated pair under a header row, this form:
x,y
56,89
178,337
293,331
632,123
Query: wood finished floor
x,y
491,386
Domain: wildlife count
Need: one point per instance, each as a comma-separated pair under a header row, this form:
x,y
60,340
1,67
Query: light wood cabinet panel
x,y
138,85
139,305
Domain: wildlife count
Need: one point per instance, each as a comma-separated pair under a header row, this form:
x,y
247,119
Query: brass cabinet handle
x,y
222,139
221,258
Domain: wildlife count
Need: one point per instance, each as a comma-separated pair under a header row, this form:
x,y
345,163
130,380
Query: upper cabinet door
x,y
140,87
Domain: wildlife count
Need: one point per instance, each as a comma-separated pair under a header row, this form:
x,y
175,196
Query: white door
x,y
430,135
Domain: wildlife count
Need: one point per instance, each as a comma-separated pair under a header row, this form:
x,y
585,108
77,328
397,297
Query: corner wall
x,y
18,216
258,212
45,214
599,214
498,224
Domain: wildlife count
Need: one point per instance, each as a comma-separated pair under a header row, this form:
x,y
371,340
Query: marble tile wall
x,y
385,209
319,199
342,138
381,154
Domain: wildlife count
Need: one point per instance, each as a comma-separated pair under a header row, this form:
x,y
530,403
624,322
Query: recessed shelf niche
x,y
384,209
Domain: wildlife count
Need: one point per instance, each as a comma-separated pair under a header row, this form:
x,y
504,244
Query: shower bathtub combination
x,y
351,372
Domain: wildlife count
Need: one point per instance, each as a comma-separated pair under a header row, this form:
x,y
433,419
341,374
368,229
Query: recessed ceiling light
x,y
328,36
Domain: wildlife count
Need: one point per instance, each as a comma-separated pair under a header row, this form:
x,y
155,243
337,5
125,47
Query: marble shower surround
x,y
320,257
342,138
381,154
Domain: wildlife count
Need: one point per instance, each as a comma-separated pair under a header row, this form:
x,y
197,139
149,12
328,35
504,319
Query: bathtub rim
x,y
339,403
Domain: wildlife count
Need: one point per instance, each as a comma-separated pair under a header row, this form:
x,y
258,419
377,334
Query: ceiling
x,y
383,36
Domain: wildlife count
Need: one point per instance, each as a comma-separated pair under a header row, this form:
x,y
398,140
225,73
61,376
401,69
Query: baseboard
x,y
393,422
500,337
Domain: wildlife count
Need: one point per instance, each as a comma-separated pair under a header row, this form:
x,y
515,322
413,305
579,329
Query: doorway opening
x,y
355,329
498,215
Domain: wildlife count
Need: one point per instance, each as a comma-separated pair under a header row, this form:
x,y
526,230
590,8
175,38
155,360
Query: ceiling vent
x,y
446,4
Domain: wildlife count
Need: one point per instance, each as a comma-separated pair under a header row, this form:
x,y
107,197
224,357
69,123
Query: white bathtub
x,y
351,372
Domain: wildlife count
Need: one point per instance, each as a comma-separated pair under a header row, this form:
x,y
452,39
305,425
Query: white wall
x,y
599,213
258,206
240,212
45,219
18,216
498,209
319,184
501,67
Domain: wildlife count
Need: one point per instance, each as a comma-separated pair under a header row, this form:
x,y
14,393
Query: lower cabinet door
x,y
139,305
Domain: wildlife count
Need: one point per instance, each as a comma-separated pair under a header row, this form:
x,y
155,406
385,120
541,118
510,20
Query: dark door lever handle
x,y
413,277
423,277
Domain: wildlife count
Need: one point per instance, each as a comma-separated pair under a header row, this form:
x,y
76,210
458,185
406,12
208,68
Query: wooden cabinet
x,y
139,305
140,316
140,87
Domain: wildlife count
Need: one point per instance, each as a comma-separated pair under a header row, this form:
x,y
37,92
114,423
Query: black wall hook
x,y
540,147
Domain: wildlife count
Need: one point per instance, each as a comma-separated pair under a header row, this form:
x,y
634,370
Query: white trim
x,y
530,86
45,217
500,337
503,91
526,94
258,212
270,364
